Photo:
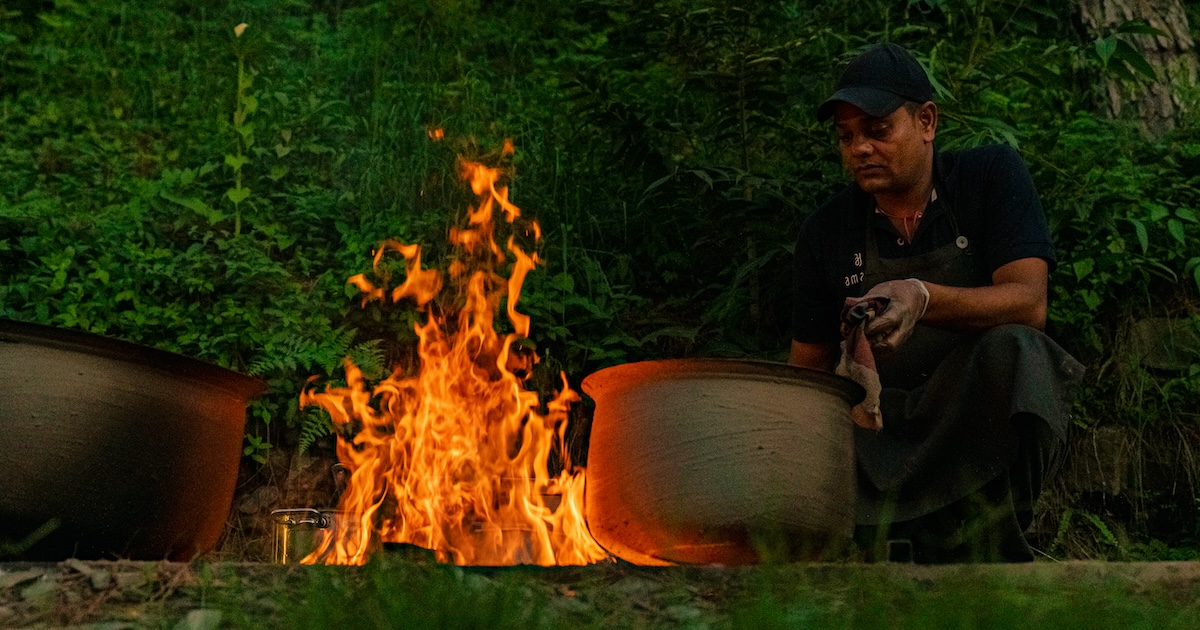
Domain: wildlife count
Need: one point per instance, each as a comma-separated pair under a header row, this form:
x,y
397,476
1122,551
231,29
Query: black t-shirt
x,y
995,206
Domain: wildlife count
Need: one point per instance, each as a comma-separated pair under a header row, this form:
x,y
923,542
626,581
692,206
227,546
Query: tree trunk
x,y
1173,56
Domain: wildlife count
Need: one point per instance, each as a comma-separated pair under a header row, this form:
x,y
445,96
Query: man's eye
x,y
878,131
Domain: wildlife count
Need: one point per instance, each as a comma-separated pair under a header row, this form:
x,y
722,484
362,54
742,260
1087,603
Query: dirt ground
x,y
113,595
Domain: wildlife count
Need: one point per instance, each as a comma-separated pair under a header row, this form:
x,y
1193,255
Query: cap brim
x,y
873,101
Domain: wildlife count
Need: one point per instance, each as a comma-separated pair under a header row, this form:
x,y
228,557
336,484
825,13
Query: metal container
x,y
720,461
111,449
299,531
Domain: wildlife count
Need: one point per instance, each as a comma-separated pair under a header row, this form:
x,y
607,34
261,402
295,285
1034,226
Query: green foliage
x,y
170,181
390,594
966,597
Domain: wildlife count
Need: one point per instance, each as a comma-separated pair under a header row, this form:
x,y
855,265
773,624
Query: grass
x,y
402,591
398,593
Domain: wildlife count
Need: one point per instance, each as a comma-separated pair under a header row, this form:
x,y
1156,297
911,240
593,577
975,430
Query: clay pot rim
x,y
234,383
629,374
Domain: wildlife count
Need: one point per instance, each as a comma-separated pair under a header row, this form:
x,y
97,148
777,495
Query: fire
x,y
456,458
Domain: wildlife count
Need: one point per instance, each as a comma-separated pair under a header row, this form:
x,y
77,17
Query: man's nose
x,y
861,146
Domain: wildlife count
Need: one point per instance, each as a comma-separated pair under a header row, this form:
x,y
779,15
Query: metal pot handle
x,y
300,516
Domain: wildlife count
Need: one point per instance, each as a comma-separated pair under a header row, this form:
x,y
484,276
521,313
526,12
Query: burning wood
x,y
456,457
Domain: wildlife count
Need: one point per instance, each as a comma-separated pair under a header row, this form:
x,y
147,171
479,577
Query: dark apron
x,y
949,398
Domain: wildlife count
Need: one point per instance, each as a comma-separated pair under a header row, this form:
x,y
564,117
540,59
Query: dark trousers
x,y
987,525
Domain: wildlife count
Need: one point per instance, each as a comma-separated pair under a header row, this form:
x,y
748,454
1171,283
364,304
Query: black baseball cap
x,y
878,81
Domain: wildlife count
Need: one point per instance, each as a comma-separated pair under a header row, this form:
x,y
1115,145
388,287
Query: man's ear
x,y
927,118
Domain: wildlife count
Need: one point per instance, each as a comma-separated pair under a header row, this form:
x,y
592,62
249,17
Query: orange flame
x,y
456,458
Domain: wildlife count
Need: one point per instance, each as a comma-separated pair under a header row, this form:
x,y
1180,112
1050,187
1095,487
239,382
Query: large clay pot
x,y
124,451
720,461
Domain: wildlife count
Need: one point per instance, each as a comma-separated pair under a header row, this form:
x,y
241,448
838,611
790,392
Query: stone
x,y
200,619
9,580
1165,343
1099,461
311,481
41,591
101,579
261,499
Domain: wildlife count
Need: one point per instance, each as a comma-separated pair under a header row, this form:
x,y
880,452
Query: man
x,y
934,265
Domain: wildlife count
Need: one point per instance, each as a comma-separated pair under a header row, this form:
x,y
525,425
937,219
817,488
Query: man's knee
x,y
1010,334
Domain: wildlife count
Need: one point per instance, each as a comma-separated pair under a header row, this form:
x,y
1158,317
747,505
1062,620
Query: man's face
x,y
889,154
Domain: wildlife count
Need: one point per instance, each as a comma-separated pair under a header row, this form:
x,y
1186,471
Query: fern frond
x,y
369,357
314,425
291,353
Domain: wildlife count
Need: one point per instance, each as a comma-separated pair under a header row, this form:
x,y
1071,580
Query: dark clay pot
x,y
720,461
125,450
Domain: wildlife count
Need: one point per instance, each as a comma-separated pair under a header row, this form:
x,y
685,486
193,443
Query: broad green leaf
x,y
281,150
195,205
250,104
1133,57
1139,27
563,282
237,195
1175,227
1105,48
1142,237
1158,212
236,162
277,172
1083,267
1091,299
1187,214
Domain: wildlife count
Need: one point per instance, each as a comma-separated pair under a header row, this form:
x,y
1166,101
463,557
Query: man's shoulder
x,y
980,161
833,214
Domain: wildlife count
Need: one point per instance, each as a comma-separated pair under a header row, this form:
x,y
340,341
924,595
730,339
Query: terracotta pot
x,y
720,461
124,450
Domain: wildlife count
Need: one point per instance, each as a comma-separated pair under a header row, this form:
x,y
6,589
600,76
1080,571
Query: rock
x,y
1165,343
263,498
9,580
310,481
101,579
200,619
78,566
127,580
41,591
1099,461
682,612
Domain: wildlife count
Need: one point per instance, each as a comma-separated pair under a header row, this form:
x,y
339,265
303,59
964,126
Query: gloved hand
x,y
904,303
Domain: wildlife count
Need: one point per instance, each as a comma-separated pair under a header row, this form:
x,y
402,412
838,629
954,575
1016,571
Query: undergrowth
x,y
173,179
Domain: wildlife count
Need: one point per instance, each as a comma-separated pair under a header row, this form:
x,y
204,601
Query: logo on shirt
x,y
855,278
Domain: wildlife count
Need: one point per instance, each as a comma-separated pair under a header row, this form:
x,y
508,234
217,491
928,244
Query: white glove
x,y
906,303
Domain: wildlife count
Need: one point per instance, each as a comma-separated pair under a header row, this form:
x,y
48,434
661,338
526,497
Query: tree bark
x,y
1173,56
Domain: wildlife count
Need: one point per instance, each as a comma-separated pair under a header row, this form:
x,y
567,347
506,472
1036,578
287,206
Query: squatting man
x,y
926,281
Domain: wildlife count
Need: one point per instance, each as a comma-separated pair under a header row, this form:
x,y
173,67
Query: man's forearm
x,y
982,308
1017,296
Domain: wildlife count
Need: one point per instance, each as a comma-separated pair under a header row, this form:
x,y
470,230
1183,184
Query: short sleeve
x,y
816,308
1014,219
